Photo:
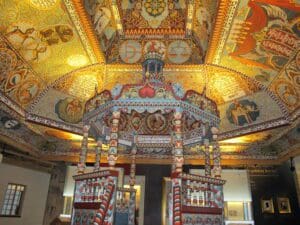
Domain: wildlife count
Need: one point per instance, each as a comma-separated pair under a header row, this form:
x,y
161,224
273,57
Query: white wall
x,y
34,202
237,186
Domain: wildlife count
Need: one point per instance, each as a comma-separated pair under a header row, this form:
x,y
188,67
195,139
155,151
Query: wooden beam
x,y
22,147
126,160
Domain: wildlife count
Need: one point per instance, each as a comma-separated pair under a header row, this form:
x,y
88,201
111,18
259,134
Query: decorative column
x,y
207,173
113,142
132,166
207,158
173,166
216,154
98,149
132,183
84,146
178,143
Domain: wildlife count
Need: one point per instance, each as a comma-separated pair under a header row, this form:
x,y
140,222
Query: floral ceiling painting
x,y
55,55
124,27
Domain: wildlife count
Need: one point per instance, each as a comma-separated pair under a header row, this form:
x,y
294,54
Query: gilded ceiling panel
x,y
44,35
82,83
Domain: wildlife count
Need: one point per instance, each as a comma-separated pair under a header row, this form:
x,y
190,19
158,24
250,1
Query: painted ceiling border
x,y
84,28
30,117
221,30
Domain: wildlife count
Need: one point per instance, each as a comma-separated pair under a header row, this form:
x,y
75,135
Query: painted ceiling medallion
x,y
155,49
130,51
8,60
179,52
155,12
155,8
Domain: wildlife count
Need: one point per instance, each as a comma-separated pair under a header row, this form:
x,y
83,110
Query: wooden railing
x,y
201,191
200,198
94,197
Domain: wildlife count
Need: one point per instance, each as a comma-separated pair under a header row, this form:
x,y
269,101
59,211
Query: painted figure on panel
x,y
101,16
16,79
69,110
27,91
34,44
272,34
242,112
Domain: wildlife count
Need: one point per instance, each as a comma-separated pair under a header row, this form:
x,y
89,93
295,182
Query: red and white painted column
x,y
207,158
113,142
207,172
132,166
178,143
216,154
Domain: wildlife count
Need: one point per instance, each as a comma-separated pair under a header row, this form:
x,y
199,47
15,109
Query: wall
x,y
278,182
55,199
35,195
237,186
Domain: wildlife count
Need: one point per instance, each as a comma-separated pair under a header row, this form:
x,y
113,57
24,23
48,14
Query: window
x,y
13,200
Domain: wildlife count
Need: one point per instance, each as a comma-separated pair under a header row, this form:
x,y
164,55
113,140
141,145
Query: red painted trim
x,y
87,205
202,210
102,173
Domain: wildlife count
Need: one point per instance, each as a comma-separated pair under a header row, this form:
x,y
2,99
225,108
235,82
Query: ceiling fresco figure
x,y
17,79
272,34
35,45
103,21
242,112
69,110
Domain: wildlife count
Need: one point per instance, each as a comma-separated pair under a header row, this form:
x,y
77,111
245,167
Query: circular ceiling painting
x,y
179,52
130,51
154,49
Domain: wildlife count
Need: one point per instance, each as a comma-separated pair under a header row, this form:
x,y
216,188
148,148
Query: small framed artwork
x,y
267,206
284,205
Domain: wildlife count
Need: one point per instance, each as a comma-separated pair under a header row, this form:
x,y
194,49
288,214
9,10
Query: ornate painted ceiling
x,y
56,54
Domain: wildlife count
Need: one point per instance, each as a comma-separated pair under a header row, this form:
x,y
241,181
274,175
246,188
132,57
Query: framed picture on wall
x,y
284,205
267,205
